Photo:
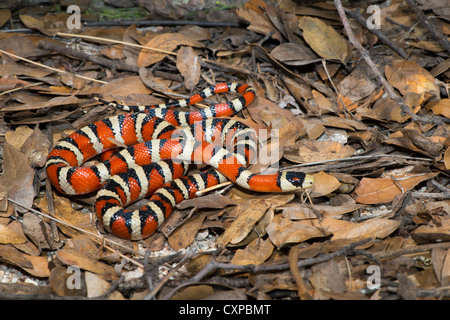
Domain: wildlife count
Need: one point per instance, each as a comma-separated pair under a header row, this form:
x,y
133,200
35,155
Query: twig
x,y
166,278
440,186
346,111
20,88
50,68
206,24
440,196
375,156
426,22
411,250
62,34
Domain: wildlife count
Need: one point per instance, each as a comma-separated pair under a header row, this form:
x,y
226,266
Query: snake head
x,y
298,180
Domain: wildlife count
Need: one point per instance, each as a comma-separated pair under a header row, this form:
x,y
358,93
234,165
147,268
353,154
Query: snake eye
x,y
308,181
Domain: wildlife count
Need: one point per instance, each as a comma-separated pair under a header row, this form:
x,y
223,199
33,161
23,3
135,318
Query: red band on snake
x,y
145,168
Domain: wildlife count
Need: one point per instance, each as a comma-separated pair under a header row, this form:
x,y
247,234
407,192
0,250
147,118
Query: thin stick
x,y
346,111
50,68
20,88
217,186
375,156
62,34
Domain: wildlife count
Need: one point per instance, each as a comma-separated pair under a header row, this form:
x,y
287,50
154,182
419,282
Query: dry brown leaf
x,y
327,277
13,68
18,177
189,65
398,139
72,257
323,39
294,54
196,292
302,212
5,15
59,278
256,252
9,236
272,281
40,266
120,88
57,101
311,150
244,223
409,76
359,84
284,231
288,126
14,256
324,184
167,42
185,235
212,200
442,107
17,137
447,158
36,148
385,109
381,190
433,232
38,231
422,142
49,24
258,231
66,213
82,252
444,277
72,81
27,247
324,105
372,228
96,286
259,23
342,123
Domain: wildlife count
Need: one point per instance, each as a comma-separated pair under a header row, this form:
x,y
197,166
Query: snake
x,y
160,144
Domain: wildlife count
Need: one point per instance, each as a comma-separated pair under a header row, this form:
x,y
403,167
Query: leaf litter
x,y
382,192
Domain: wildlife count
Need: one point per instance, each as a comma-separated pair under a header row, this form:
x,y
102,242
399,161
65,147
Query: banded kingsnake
x,y
145,166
